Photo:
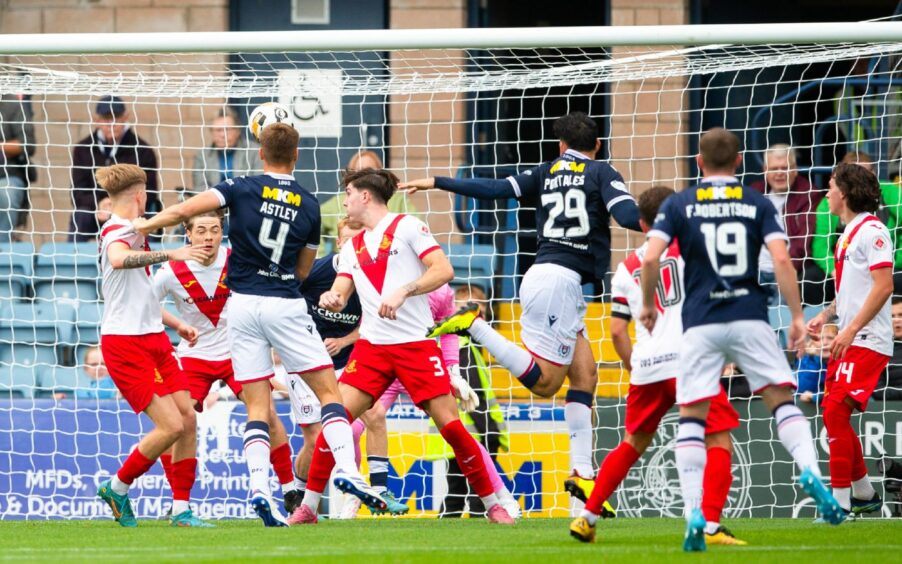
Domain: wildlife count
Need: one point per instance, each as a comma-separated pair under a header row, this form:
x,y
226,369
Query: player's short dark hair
x,y
650,201
719,148
219,214
577,130
860,187
280,144
897,299
381,184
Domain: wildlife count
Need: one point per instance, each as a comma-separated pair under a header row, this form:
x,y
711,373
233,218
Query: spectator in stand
x,y
828,227
333,209
795,199
812,367
890,386
16,146
113,141
101,383
228,154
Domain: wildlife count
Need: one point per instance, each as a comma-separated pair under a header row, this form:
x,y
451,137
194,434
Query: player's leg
x,y
722,419
302,466
184,465
280,457
583,376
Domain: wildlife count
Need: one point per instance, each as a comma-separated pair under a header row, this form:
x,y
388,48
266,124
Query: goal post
x,y
460,102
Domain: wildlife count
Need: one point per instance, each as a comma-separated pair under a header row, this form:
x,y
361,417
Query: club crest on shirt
x,y
879,243
424,229
385,244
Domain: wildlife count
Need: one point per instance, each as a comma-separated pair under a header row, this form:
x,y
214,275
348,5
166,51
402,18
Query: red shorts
x,y
646,404
141,366
202,374
418,366
855,376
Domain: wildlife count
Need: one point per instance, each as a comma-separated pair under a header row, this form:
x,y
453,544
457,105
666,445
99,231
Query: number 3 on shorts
x,y
439,368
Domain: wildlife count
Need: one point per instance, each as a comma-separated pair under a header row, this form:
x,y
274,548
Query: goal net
x,y
465,111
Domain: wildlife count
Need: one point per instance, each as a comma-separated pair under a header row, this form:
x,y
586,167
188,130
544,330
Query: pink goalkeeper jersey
x,y
864,246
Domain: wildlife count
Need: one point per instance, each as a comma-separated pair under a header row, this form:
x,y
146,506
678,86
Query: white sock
x,y
118,485
795,434
508,355
589,516
691,457
311,499
862,488
843,496
302,483
179,506
711,527
489,501
579,425
340,439
256,454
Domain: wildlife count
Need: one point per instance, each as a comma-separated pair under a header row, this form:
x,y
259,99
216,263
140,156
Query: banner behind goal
x,y
469,110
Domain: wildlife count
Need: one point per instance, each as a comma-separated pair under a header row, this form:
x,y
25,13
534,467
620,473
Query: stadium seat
x,y
811,311
55,379
16,269
67,261
87,323
780,319
29,354
173,336
66,291
17,381
473,264
45,323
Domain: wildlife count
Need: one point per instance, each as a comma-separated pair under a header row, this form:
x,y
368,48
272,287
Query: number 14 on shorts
x,y
845,369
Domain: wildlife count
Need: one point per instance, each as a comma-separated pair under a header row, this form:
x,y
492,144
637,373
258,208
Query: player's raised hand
x,y
411,186
648,317
797,334
332,301
389,307
199,254
189,333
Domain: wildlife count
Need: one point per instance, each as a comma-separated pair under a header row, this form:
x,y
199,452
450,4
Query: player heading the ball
x,y
274,231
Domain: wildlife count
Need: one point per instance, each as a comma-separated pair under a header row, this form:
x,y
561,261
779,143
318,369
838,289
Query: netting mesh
x,y
424,112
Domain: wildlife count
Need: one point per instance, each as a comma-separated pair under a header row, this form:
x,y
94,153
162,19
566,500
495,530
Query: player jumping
x,y
653,364
201,298
864,345
392,265
578,195
135,348
274,231
721,226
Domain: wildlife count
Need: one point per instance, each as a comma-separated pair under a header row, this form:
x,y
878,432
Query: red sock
x,y
135,465
614,468
842,448
166,461
468,456
280,458
716,483
183,475
859,469
321,466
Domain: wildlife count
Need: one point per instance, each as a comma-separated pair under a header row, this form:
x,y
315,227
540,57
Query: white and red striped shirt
x,y
864,246
381,261
201,298
130,307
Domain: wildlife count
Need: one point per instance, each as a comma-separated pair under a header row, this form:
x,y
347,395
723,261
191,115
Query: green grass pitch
x,y
637,541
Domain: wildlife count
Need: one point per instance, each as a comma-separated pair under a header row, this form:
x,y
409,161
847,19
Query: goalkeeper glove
x,y
469,401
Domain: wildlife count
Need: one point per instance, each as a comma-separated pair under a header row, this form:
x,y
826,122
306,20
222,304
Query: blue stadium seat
x,y
780,318
17,381
31,355
810,311
87,323
67,261
16,269
66,379
67,291
473,264
44,323
173,336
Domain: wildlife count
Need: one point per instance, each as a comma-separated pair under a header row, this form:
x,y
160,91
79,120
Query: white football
x,y
267,114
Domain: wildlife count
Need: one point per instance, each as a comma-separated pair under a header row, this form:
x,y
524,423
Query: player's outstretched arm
x,y
438,273
336,298
179,213
482,188
788,283
651,264
881,290
122,257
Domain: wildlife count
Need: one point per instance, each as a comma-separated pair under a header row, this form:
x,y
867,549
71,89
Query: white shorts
x,y
752,345
305,407
259,323
553,312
